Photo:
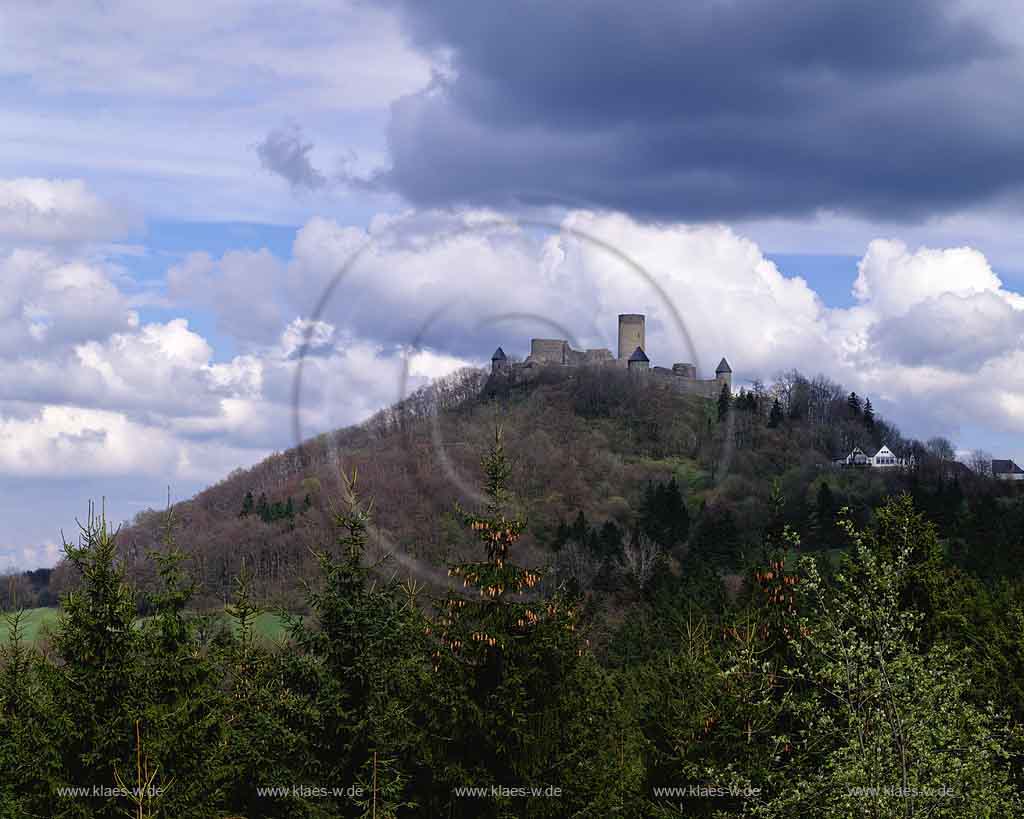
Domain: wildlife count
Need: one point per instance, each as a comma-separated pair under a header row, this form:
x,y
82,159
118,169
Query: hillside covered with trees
x,y
886,686
582,596
611,471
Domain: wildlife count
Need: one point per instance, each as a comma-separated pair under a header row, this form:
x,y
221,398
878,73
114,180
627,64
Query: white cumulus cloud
x,y
892,279
55,210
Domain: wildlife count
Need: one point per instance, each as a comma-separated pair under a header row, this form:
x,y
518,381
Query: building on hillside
x,y
855,458
1007,471
884,458
632,356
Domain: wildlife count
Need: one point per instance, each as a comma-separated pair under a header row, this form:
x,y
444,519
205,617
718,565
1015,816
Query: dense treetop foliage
x,y
811,688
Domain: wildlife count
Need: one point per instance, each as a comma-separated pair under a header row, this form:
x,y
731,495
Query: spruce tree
x,y
97,691
579,529
360,660
853,403
609,540
30,735
772,537
825,515
277,511
561,535
520,695
746,401
775,415
263,716
181,724
724,400
663,514
677,517
869,414
716,537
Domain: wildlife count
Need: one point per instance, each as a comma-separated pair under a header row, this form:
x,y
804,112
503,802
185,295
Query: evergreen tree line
x,y
28,589
840,420
272,512
662,517
754,401
984,529
808,691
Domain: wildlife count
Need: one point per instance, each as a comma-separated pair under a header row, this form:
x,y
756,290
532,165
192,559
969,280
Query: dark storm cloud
x,y
721,109
284,153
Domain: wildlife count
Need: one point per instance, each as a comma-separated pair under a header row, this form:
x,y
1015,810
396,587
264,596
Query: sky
x,y
189,191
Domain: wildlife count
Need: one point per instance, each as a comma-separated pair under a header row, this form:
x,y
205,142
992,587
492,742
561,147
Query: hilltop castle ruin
x,y
632,356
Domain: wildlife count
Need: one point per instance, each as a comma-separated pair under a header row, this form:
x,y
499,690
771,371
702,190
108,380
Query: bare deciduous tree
x,y
980,462
640,556
575,561
940,448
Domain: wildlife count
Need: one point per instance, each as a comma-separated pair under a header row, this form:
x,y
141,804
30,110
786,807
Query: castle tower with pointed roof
x,y
638,361
723,374
499,361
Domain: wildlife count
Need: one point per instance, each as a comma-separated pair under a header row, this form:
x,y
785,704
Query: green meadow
x,y
37,623
33,622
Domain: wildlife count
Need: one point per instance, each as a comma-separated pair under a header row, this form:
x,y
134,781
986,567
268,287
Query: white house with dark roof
x,y
884,458
1007,471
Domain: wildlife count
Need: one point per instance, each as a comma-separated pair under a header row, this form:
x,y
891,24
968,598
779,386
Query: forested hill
x,y
654,613
598,458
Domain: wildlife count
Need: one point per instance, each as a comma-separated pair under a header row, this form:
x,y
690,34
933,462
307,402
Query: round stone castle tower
x,y
631,334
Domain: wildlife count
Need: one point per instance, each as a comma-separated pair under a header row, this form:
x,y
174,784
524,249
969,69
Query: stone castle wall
x,y
548,352
684,383
557,351
680,381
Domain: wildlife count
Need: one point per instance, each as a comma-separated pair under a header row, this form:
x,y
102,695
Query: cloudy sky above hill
x,y
835,186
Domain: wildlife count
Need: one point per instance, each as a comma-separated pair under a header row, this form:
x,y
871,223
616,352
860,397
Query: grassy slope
x,y
34,622
38,621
